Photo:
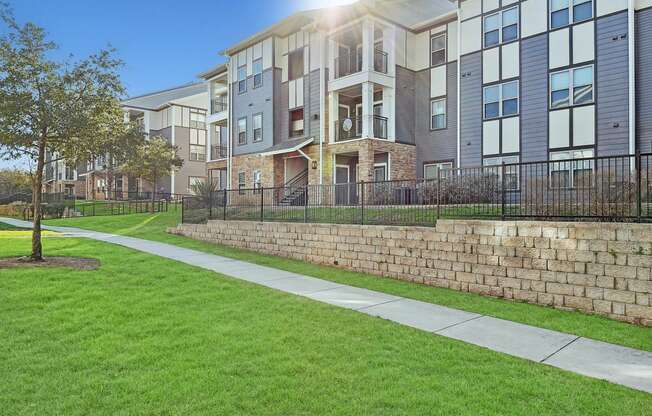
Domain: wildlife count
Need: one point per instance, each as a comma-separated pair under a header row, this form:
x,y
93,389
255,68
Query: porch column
x,y
333,116
367,109
367,45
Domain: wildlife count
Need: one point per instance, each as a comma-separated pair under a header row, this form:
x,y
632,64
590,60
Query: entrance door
x,y
342,178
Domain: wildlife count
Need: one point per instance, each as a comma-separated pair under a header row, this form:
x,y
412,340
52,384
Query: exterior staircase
x,y
294,191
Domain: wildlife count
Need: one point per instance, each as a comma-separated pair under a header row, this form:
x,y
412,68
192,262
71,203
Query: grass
x,y
146,335
592,326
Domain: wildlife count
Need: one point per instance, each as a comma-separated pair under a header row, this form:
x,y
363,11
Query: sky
x,y
163,43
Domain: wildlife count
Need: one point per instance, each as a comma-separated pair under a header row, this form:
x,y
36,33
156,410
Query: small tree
x,y
68,109
14,181
152,160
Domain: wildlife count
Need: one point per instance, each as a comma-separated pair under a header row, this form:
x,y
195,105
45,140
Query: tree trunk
x,y
153,193
37,248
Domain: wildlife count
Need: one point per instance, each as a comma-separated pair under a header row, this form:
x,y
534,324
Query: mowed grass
x,y
153,227
146,335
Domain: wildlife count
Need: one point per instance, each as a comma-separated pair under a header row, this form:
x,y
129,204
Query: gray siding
x,y
612,89
405,105
534,98
310,107
254,101
644,80
312,98
435,145
281,112
471,108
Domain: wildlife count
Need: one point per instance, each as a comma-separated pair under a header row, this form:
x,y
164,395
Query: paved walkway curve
x,y
617,364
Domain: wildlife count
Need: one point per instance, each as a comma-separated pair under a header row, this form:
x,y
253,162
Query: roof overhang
x,y
289,146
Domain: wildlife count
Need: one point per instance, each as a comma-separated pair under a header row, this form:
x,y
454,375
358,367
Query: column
x,y
333,115
367,45
367,109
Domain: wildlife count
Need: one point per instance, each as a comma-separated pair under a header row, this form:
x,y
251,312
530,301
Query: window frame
x,y
500,160
291,67
242,83
501,100
259,83
303,119
253,125
197,146
571,87
445,114
242,142
439,165
501,27
242,184
571,14
190,182
257,180
571,167
195,124
445,48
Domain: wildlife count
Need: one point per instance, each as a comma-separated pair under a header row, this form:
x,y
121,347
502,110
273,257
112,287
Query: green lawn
x,y
596,327
146,335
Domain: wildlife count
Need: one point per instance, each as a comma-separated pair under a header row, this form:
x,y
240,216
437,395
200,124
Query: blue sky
x,y
162,42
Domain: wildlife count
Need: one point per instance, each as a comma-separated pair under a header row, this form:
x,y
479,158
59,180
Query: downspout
x,y
174,142
631,38
459,89
229,126
322,103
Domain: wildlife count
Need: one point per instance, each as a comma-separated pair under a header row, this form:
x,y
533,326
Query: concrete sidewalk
x,y
617,364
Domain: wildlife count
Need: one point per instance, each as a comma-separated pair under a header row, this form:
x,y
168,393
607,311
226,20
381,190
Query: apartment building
x,y
60,177
400,89
178,114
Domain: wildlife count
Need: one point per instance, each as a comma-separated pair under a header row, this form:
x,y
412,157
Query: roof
x,y
214,71
158,99
287,146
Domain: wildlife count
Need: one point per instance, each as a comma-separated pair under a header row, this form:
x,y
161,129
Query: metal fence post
x,y
502,192
183,205
224,206
438,192
210,204
362,202
305,204
262,201
637,172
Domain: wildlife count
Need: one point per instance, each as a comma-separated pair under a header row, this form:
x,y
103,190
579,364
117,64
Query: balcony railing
x,y
351,62
218,105
218,152
351,128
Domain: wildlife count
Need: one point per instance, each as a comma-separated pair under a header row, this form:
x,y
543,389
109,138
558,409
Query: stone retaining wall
x,y
593,267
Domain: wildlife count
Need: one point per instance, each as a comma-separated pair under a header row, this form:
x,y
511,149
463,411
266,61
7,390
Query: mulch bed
x,y
80,263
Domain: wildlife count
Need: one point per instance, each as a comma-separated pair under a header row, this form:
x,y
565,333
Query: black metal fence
x,y
606,188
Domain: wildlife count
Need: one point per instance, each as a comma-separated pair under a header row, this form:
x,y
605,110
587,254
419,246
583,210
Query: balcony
x,y
351,63
351,128
218,105
219,152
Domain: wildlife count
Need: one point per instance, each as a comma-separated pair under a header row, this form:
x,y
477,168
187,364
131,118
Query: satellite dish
x,y
347,124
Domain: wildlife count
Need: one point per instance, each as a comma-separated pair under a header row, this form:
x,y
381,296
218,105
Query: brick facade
x,y
592,267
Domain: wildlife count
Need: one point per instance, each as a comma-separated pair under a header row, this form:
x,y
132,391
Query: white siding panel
x,y
452,41
610,6
438,29
558,51
489,5
641,4
258,50
438,81
306,60
584,126
583,42
470,8
558,128
534,16
284,68
511,60
400,40
471,36
267,53
491,65
292,94
511,134
292,42
315,54
421,50
250,61
299,92
491,137
242,58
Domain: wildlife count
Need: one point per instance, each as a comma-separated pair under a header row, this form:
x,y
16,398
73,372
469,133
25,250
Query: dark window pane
x,y
559,18
559,98
583,94
510,107
438,58
491,38
491,110
510,33
583,11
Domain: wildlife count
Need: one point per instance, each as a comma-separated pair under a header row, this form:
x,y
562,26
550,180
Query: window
x,y
257,179
258,72
197,119
258,127
430,169
295,64
194,181
571,87
296,122
438,114
438,49
242,79
567,173
501,27
241,182
511,171
561,12
197,145
242,130
501,100
380,172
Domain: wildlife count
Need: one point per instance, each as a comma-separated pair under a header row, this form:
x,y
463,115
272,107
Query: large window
x,y
296,122
295,64
571,87
242,79
258,72
511,171
258,127
242,130
197,145
194,181
438,114
197,119
563,12
241,182
501,27
258,182
568,173
501,100
438,49
430,169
